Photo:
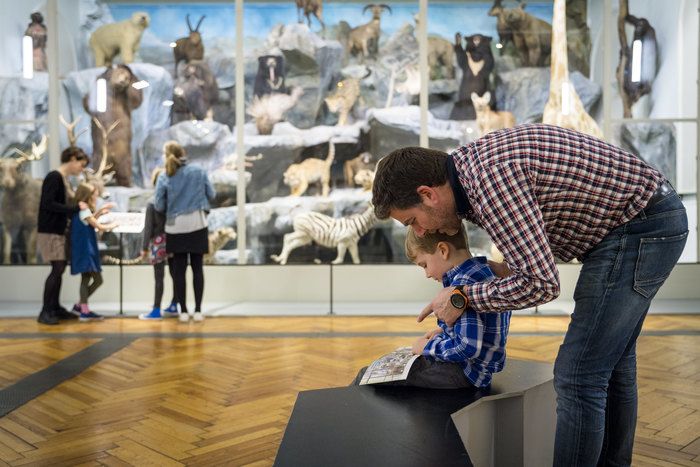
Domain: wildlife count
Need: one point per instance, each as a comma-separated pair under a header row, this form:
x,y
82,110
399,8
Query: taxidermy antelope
x,y
20,200
191,47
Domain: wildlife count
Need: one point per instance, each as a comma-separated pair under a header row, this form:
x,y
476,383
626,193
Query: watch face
x,y
457,301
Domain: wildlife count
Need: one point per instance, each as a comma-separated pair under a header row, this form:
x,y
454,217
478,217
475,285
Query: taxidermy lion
x,y
312,170
120,38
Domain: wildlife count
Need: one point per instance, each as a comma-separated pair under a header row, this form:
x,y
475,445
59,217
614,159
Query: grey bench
x,y
513,424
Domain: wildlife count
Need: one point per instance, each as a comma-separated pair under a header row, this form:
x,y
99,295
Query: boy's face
x,y
435,264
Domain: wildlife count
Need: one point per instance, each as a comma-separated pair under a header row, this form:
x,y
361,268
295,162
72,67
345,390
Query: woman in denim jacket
x,y
183,192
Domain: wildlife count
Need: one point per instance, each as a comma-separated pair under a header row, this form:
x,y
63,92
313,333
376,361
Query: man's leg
x,y
619,278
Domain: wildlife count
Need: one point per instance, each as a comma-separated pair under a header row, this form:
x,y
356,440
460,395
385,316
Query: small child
x,y
154,242
85,257
467,354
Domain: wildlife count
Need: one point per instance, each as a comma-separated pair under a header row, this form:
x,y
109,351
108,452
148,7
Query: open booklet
x,y
393,366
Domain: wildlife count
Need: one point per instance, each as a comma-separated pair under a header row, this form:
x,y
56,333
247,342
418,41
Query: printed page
x,y
393,366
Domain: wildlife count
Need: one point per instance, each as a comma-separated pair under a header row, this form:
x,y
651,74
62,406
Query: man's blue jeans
x,y
595,373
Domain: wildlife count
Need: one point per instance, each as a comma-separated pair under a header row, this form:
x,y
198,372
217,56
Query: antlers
x,y
105,133
37,151
199,23
70,129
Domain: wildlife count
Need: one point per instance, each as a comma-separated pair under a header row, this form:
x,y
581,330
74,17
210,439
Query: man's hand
x,y
442,308
430,334
419,345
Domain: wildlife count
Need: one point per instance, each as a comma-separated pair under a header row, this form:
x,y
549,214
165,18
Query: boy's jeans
x,y
595,373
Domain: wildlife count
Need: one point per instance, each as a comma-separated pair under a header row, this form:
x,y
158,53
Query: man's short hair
x,y
399,175
74,152
416,245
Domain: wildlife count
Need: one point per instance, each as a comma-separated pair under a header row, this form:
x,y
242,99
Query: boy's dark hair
x,y
74,152
428,243
399,175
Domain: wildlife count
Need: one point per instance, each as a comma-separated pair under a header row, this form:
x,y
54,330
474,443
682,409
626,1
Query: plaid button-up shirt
x,y
542,192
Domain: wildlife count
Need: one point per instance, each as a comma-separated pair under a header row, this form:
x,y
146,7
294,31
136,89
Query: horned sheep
x,y
365,38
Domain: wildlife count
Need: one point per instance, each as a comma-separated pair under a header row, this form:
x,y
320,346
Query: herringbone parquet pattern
x,y
226,401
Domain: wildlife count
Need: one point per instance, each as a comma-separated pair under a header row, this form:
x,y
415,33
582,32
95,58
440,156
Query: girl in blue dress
x,y
85,257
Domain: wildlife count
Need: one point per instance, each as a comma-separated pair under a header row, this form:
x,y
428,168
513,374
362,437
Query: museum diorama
x,y
329,88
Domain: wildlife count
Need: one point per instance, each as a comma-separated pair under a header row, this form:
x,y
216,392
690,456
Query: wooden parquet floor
x,y
221,392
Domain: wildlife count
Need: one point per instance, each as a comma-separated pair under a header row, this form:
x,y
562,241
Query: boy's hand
x,y
500,269
419,345
430,334
442,308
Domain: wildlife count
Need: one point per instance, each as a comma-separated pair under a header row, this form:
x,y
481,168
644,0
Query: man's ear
x,y
428,195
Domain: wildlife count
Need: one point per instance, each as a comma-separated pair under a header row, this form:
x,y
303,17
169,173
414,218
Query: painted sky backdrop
x,y
444,18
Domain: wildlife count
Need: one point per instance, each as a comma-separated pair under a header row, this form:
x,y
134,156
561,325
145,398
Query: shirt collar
x,y
462,204
461,269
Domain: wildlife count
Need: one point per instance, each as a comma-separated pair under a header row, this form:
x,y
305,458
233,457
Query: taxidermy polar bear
x,y
121,38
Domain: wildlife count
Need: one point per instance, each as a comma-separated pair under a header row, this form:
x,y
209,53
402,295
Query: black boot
x,y
62,313
47,317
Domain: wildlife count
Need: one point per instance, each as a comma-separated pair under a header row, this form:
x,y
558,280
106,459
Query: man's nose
x,y
420,231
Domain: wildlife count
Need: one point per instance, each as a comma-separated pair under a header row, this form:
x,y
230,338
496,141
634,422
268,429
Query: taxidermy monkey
x,y
120,38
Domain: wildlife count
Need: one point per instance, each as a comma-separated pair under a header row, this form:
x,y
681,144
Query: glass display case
x,y
327,91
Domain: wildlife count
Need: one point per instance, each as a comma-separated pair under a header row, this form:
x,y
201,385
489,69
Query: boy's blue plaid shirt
x,y
477,341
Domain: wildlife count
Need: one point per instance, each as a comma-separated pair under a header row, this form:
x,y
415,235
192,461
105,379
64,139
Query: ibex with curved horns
x,y
365,38
191,47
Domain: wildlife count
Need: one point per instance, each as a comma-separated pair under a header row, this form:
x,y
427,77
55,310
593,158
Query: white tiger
x,y
343,233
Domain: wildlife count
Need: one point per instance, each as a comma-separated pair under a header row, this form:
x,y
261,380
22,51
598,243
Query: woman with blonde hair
x,y
183,192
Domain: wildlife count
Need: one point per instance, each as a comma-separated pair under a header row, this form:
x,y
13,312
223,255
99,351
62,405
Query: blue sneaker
x,y
154,314
90,316
171,311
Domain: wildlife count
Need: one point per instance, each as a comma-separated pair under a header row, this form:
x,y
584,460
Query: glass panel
x,y
174,81
671,148
660,62
316,91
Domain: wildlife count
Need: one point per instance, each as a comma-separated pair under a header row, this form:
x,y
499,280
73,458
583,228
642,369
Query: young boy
x,y
54,212
467,354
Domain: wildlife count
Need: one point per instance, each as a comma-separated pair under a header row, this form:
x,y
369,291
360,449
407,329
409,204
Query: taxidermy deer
x,y
20,200
104,173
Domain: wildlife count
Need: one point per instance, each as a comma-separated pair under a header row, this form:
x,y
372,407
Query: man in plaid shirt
x,y
543,192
